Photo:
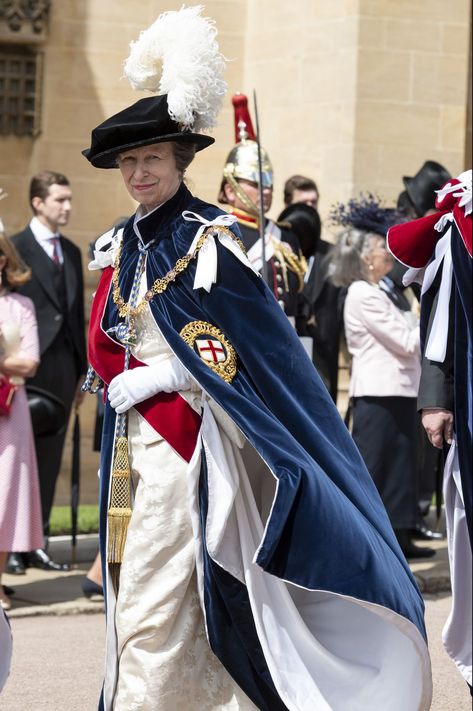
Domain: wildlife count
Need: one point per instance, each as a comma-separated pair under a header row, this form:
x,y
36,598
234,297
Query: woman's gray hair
x,y
184,154
345,263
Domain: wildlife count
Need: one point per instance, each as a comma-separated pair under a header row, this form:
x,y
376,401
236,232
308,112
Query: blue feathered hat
x,y
365,213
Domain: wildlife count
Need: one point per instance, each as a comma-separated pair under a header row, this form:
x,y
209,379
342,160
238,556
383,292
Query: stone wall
x,y
355,93
302,60
83,55
411,89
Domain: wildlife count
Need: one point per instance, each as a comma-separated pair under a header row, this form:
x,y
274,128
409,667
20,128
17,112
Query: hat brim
x,y
298,208
409,183
108,158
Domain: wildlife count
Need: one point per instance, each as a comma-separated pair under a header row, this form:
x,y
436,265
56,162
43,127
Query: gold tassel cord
x,y
296,263
119,512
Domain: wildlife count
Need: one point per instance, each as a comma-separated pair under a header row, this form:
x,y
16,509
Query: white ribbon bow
x,y
460,190
412,274
206,270
103,259
436,348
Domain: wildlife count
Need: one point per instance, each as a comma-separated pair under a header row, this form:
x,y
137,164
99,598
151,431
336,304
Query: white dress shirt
x,y
44,238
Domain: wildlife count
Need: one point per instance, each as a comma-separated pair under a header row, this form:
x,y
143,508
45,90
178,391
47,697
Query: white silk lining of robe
x,y
324,651
160,659
457,633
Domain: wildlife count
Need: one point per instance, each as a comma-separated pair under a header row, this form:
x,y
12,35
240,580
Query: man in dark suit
x,y
56,289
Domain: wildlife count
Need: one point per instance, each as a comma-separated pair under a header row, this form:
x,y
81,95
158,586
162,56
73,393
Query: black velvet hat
x,y
421,188
305,223
145,122
47,412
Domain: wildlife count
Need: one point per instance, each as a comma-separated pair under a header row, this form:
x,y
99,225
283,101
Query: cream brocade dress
x,y
165,662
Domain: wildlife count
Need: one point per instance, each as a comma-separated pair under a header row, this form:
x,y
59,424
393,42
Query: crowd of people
x,y
248,536
43,340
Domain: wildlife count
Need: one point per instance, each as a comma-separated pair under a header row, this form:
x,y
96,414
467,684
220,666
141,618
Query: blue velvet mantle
x,y
328,528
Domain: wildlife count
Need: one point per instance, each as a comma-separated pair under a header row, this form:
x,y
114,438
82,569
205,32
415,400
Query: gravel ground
x,y
58,662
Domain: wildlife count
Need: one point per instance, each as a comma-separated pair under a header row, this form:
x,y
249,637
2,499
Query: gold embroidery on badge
x,y
209,343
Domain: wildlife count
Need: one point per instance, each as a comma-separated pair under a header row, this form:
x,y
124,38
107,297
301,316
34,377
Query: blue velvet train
x,y
328,529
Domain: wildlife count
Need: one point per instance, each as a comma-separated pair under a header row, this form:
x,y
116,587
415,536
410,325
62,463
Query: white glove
x,y
133,386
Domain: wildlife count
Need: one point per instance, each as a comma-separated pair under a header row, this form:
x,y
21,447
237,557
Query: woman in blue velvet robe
x,y
304,595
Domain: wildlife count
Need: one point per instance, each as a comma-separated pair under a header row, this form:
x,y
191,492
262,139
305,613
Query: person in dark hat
x,y
418,200
318,316
304,221
239,189
228,480
419,195
321,307
438,251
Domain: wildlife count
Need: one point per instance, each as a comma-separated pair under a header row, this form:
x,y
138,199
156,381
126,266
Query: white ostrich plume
x,y
178,55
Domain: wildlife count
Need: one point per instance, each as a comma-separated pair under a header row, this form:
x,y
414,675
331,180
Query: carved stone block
x,y
24,21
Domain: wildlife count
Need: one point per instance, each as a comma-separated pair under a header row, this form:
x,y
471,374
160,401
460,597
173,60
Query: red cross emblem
x,y
212,350
212,347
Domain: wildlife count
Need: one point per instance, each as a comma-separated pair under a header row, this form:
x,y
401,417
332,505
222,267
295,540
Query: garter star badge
x,y
209,343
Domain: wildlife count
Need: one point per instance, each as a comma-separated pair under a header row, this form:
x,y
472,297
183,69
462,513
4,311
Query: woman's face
x,y
150,174
378,260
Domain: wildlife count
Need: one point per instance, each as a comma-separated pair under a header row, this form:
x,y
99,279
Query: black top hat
x,y
145,122
48,412
305,223
421,188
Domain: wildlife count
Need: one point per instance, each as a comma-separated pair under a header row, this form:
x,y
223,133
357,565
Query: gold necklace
x,y
160,285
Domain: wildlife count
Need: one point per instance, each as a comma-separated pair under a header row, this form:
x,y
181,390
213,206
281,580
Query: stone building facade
x,y
355,93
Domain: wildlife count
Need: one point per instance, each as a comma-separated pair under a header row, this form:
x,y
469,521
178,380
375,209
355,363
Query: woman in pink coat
x,y
20,505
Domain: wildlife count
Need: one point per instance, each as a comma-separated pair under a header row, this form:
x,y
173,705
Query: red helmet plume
x,y
242,115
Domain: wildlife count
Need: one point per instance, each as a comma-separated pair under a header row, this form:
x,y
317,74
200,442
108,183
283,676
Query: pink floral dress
x,y
20,504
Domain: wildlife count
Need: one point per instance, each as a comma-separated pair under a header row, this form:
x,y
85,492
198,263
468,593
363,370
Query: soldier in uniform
x,y
240,190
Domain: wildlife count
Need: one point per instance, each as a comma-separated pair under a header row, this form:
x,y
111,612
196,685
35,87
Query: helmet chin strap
x,y
242,196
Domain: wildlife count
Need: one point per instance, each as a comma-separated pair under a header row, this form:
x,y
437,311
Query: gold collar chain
x,y
161,284
294,262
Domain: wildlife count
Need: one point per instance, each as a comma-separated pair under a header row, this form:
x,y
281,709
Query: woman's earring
x,y
370,267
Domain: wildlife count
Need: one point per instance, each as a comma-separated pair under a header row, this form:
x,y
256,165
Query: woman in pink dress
x,y
20,505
